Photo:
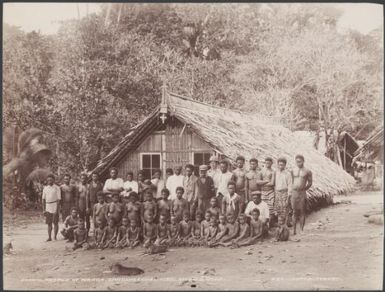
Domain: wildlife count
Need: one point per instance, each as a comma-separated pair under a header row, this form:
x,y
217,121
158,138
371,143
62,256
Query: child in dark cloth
x,y
214,209
222,231
149,230
133,207
196,230
115,209
70,224
109,235
149,205
185,229
173,232
205,225
256,230
162,230
179,205
244,231
81,236
133,234
121,240
212,231
233,230
164,204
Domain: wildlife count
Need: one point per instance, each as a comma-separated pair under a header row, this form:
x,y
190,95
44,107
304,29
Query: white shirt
x,y
133,185
223,180
51,195
113,184
214,173
283,180
262,207
173,182
159,183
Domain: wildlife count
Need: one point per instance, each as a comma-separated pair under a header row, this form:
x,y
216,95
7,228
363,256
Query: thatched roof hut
x,y
226,132
373,147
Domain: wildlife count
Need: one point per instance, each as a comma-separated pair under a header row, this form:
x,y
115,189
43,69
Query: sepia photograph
x,y
192,146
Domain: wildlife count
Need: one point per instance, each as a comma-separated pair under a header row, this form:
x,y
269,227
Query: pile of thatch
x,y
235,133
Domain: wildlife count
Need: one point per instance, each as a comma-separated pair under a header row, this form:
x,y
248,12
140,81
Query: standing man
x,y
174,181
204,190
83,200
214,171
94,187
158,184
112,185
189,185
268,187
240,181
254,180
51,205
302,181
283,183
68,195
224,178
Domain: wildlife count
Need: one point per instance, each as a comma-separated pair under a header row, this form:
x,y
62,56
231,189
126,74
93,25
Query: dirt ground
x,y
339,249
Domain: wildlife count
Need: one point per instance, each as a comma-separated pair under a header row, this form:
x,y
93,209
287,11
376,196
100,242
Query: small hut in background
x,y
182,130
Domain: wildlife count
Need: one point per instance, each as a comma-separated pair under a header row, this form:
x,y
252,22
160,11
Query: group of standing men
x,y
276,193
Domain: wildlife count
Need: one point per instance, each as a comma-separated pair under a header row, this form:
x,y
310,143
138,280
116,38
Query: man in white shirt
x,y
129,185
224,178
113,184
214,171
174,181
283,183
51,206
189,185
257,203
158,184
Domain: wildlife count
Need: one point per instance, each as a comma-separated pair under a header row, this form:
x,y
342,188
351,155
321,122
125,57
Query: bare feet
x,y
49,239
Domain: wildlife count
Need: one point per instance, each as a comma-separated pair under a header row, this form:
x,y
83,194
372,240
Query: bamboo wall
x,y
176,144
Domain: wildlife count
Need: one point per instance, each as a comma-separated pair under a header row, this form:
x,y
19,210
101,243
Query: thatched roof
x,y
235,133
372,149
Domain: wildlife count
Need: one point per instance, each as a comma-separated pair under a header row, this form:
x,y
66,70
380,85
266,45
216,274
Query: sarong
x,y
281,203
298,202
268,197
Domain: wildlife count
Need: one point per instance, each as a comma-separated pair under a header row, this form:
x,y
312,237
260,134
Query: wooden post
x,y
345,154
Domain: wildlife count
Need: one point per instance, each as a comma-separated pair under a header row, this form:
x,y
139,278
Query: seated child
x,y
185,229
212,231
98,233
179,205
109,235
121,240
132,207
115,209
222,231
196,230
256,230
244,231
133,233
173,232
149,205
282,231
164,204
214,209
70,224
99,213
205,225
162,230
81,236
149,229
233,230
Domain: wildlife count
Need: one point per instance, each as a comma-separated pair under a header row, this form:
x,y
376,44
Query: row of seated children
x,y
211,232
131,208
